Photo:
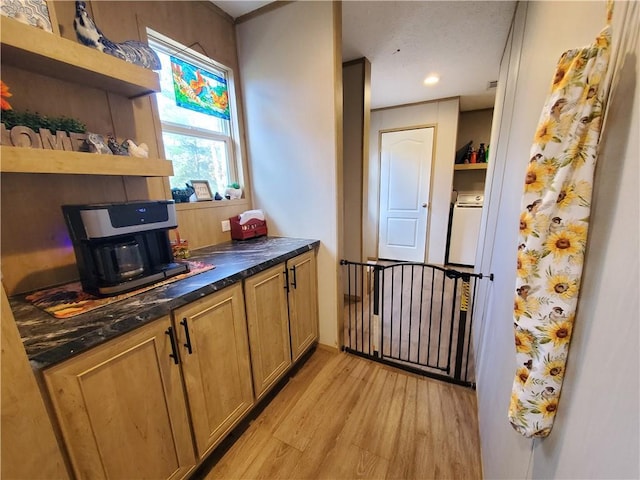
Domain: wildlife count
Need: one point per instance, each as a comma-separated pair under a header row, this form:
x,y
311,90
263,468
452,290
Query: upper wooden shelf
x,y
48,54
470,166
36,160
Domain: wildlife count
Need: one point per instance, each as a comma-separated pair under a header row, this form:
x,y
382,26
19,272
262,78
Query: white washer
x,y
465,228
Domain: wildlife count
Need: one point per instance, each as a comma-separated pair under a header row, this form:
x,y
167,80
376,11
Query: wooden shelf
x,y
470,166
34,160
35,50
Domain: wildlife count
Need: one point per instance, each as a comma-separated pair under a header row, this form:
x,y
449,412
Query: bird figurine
x,y
131,51
141,151
96,144
116,148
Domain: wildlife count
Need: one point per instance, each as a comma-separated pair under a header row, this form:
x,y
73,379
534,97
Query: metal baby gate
x,y
412,315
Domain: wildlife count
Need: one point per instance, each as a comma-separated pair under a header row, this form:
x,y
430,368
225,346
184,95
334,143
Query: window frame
x,y
232,139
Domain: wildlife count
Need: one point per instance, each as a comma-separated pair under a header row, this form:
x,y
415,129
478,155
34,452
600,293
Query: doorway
x,y
405,179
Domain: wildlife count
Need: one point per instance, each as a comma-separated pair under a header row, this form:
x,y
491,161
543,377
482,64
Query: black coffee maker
x,y
122,246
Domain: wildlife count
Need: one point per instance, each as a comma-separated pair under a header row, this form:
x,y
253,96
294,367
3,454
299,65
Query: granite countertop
x,y
50,340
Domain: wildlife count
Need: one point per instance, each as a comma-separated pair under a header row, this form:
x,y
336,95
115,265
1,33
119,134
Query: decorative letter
x,y
5,136
77,141
25,137
60,142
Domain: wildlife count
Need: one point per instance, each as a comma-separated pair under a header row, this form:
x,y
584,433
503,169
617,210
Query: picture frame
x,y
202,190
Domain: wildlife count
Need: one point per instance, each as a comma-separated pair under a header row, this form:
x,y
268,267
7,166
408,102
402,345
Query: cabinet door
x,y
122,409
214,350
268,322
303,303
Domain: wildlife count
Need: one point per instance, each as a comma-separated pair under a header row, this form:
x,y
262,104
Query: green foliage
x,y
196,159
35,121
234,185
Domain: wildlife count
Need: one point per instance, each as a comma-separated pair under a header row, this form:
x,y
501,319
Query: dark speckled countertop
x,y
49,340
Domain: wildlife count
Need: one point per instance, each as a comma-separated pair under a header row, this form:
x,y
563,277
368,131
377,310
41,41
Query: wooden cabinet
x,y
268,323
282,316
122,410
303,303
130,408
212,337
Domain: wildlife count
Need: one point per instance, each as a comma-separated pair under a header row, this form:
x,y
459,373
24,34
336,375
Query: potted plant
x,y
233,191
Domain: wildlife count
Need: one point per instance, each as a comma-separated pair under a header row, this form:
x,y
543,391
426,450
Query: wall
x,y
291,78
473,126
596,429
444,115
356,78
37,253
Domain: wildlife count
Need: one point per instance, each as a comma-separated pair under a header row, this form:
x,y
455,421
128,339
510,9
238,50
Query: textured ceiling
x,y
239,7
461,41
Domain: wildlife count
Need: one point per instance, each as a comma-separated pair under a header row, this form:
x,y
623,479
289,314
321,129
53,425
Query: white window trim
x,y
234,155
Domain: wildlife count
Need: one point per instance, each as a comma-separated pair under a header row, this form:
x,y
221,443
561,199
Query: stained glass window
x,y
199,90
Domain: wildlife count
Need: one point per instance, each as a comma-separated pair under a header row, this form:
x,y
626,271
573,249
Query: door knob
x,y
424,205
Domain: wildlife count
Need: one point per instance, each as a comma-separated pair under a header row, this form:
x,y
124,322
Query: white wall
x,y
290,76
444,115
596,430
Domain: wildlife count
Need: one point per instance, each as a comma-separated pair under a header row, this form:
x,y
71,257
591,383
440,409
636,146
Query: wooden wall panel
x,y
53,97
29,446
36,250
200,222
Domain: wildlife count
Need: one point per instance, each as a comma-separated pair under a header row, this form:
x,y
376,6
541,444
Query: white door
x,y
405,176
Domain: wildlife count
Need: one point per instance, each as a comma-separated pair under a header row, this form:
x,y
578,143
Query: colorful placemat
x,y
70,300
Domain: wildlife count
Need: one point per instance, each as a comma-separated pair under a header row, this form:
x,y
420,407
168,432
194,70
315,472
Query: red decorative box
x,y
253,228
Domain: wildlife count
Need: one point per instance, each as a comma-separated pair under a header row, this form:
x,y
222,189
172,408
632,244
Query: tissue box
x,y
253,228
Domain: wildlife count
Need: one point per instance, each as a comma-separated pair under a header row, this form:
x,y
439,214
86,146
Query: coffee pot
x,y
116,262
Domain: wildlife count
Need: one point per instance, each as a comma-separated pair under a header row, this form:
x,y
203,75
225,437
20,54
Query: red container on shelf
x,y
253,228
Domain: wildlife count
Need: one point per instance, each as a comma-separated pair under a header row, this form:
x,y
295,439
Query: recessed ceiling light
x,y
431,79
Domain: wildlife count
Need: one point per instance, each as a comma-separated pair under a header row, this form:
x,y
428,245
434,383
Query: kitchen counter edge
x,y
49,340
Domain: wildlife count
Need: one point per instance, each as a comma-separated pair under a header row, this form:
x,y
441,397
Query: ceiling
x,y
461,41
237,8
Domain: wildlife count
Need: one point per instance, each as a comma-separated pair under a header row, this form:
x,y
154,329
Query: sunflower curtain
x,y
553,231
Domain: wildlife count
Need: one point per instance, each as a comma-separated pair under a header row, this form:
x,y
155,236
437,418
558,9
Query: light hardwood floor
x,y
341,416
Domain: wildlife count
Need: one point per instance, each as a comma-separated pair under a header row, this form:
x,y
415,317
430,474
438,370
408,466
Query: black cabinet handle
x,y
186,335
286,279
174,348
294,284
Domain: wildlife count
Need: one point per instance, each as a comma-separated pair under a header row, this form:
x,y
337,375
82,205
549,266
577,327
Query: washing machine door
x,y
465,229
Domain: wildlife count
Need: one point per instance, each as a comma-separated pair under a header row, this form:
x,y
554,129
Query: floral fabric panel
x,y
553,233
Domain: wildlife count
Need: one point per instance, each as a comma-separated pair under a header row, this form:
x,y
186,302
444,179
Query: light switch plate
x,y
226,226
